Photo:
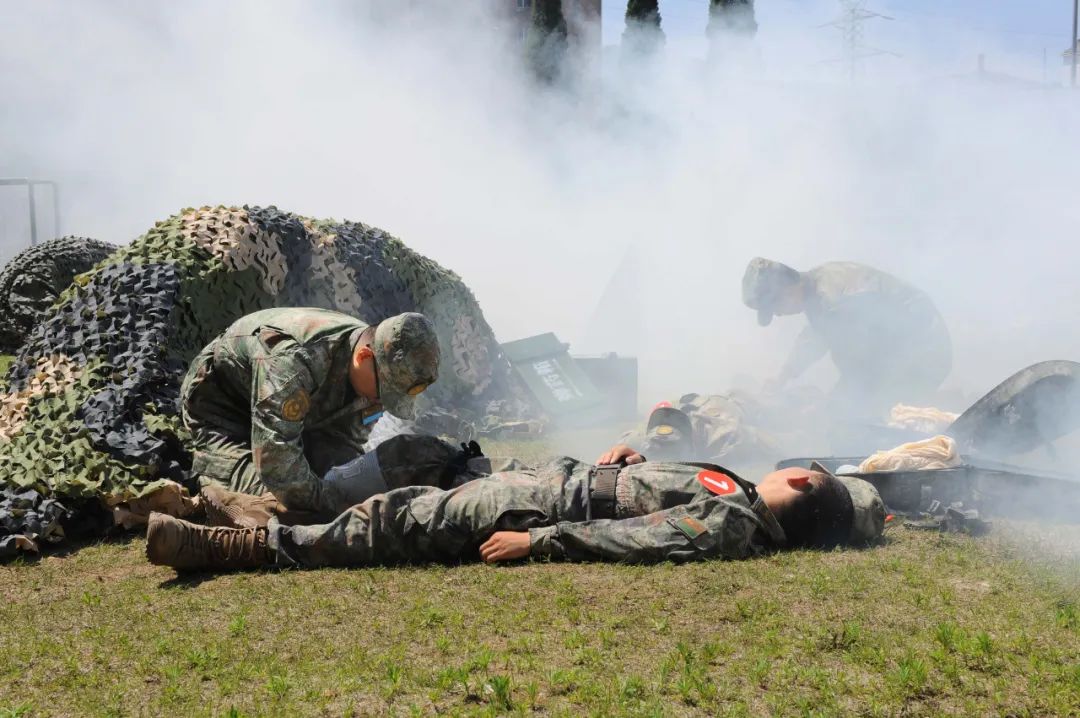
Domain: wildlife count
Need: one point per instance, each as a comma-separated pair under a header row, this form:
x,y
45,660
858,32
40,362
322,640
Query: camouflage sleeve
x,y
281,398
809,348
709,528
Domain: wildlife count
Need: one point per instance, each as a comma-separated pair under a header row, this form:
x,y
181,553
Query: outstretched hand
x,y
505,546
620,454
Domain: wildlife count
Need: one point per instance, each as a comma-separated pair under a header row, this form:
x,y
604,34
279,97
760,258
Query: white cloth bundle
x,y
924,419
938,452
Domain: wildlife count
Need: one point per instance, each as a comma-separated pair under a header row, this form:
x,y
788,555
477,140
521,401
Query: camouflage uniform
x,y
91,409
886,337
702,427
644,513
270,405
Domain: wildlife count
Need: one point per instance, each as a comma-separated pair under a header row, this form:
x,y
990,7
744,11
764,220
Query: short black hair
x,y
820,517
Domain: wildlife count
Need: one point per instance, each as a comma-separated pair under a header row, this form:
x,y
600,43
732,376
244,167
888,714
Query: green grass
x,y
5,363
927,624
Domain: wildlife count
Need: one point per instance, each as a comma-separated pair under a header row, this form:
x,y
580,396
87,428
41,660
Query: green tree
x,y
643,34
643,11
731,16
545,43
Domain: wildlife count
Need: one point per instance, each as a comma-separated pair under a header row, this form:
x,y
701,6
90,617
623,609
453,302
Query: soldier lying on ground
x,y
741,429
668,436
563,510
709,427
284,395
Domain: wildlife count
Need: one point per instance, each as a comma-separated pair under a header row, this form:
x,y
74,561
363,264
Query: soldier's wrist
x,y
542,542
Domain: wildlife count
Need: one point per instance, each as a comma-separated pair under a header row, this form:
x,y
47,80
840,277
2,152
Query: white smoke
x,y
416,117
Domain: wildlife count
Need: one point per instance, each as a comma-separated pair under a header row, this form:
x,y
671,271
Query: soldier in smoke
x,y
564,509
886,337
285,394
700,427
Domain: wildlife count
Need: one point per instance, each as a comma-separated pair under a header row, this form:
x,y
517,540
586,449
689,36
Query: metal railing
x,y
30,185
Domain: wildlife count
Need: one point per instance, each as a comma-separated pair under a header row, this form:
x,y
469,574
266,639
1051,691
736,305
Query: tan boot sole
x,y
218,513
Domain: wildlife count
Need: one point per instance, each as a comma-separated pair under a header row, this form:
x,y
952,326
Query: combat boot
x,y
181,544
236,510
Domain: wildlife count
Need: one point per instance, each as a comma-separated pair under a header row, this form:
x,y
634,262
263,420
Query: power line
x,y
850,23
1073,48
964,21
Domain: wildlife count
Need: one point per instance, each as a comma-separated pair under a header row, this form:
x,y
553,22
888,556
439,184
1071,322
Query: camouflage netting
x,y
35,277
91,409
26,518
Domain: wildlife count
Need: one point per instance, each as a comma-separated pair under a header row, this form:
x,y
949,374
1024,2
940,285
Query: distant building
x,y
1071,56
984,76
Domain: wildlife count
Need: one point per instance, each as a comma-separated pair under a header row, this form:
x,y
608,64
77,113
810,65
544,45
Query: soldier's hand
x,y
505,546
619,454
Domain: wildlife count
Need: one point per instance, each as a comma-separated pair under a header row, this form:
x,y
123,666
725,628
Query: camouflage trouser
x,y
221,439
220,427
421,523
666,518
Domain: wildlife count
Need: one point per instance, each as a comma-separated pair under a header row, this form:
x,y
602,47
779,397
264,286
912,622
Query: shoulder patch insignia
x,y
717,483
296,406
691,527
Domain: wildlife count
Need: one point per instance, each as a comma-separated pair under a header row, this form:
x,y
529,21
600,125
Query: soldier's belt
x,y
602,480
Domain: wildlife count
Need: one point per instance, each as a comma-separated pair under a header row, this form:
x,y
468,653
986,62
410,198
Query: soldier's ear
x,y
361,357
799,482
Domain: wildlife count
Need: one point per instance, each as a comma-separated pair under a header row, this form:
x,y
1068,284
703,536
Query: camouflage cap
x,y
407,360
763,282
868,518
868,521
669,435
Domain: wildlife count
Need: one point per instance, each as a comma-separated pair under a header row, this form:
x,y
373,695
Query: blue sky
x,y
949,31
